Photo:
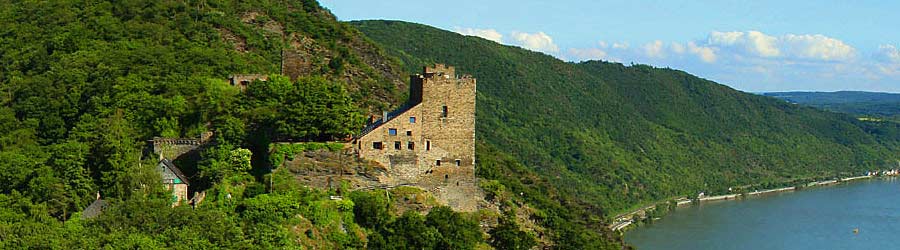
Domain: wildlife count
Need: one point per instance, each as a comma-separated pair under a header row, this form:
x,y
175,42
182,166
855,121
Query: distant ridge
x,y
852,102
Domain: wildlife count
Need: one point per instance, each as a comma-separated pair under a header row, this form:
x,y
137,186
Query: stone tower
x,y
430,141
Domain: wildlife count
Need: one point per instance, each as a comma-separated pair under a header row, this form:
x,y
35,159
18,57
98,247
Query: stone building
x,y
174,180
430,141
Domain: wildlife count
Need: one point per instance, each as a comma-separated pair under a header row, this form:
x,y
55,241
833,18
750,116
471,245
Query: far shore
x,y
625,220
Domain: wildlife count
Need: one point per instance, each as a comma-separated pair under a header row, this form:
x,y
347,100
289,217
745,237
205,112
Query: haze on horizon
x,y
761,46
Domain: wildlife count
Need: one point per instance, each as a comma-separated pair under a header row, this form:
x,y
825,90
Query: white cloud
x,y
888,60
603,44
677,48
654,49
791,46
589,54
489,34
888,53
706,54
752,42
817,47
536,41
620,46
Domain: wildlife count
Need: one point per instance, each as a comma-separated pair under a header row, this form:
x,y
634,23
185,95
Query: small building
x,y
174,180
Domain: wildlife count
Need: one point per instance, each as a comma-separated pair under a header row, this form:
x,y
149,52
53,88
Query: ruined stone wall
x,y
243,81
172,148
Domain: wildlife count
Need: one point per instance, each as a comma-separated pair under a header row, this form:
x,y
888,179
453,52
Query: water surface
x,y
815,218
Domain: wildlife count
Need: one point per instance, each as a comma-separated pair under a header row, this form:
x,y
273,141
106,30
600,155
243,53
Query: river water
x,y
814,218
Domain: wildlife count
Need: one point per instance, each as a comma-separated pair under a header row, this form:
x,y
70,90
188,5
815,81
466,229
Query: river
x,y
814,218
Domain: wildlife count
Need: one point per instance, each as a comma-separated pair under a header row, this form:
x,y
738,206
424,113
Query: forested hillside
x,y
883,105
609,137
85,84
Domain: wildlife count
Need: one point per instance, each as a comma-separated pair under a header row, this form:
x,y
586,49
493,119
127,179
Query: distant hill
x,y
836,97
853,102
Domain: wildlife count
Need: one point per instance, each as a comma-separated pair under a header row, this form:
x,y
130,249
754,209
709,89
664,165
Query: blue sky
x,y
749,45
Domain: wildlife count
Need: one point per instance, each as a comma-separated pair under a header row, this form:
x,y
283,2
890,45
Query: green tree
x,y
507,236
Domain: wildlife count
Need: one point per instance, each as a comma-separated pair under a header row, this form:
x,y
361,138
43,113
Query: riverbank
x,y
825,217
625,220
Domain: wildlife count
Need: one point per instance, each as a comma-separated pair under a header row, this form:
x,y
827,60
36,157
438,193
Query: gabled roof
x,y
175,170
94,210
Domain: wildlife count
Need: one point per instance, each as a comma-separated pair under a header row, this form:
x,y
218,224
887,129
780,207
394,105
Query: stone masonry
x,y
430,141
172,148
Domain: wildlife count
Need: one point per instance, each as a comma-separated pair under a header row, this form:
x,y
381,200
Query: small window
x,y
376,145
412,119
397,145
411,145
392,131
409,133
444,112
458,162
437,163
427,145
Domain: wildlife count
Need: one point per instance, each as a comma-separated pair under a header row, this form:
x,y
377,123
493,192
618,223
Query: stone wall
x,y
172,148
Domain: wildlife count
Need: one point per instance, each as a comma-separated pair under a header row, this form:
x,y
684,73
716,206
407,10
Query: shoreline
x,y
625,220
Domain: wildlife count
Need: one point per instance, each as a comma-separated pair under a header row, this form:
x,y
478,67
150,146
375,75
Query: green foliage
x,y
507,236
221,161
457,232
84,86
372,208
309,109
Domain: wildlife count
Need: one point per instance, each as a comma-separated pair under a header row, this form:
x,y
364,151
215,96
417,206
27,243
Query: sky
x,y
754,46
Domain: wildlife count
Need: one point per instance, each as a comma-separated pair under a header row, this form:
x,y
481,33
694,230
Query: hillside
x,y
86,84
852,102
610,136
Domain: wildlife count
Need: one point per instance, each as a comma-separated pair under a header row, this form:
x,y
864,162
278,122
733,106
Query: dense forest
x,y
85,85
870,104
605,137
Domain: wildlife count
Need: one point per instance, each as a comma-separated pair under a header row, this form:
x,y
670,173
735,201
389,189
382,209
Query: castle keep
x,y
430,141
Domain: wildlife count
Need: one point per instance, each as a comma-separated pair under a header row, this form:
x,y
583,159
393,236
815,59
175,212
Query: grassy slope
x,y
616,136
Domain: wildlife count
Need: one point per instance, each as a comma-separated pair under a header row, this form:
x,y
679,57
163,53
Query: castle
x,y
430,141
